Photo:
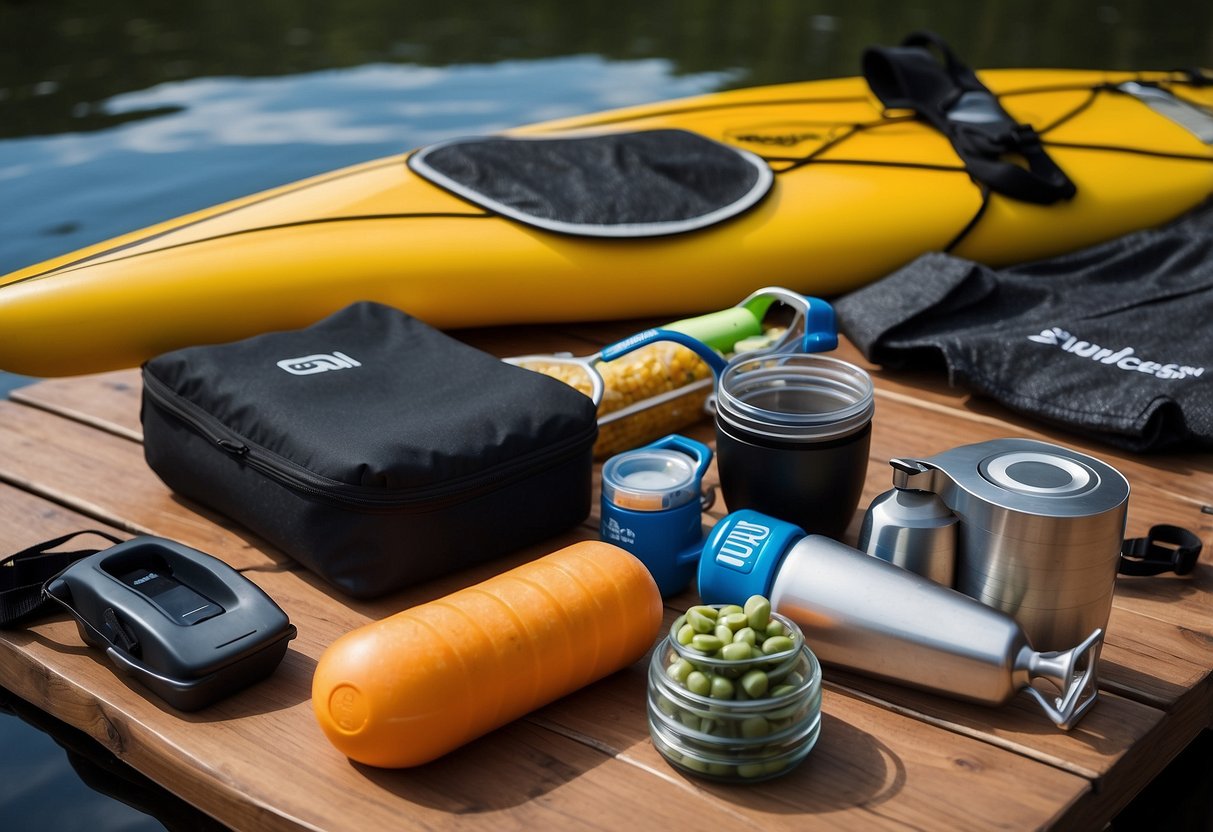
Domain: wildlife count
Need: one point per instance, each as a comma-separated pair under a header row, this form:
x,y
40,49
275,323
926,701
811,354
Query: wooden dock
x,y
888,757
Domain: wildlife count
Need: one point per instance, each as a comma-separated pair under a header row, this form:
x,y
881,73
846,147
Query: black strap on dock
x,y
23,574
1164,549
950,97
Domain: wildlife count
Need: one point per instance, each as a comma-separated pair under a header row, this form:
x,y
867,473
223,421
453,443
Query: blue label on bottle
x,y
742,555
739,549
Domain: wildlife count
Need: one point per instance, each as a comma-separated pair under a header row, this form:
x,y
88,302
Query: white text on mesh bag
x,y
1124,358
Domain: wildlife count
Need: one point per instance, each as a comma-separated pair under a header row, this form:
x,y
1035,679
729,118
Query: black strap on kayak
x,y
23,574
950,97
1197,77
1164,549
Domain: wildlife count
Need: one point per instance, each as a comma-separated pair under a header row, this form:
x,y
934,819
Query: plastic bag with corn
x,y
656,390
662,387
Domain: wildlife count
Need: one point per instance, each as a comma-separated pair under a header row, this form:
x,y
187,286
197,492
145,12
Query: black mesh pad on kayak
x,y
616,185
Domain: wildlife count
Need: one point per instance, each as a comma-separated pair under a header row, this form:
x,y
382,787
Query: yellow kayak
x,y
856,190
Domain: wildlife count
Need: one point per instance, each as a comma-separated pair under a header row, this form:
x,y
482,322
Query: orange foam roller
x,y
408,689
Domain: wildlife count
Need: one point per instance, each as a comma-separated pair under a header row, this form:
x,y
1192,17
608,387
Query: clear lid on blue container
x,y
650,479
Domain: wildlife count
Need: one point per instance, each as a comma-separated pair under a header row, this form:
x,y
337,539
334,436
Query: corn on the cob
x,y
647,374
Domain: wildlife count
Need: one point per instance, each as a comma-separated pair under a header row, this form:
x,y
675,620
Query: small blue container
x,y
652,499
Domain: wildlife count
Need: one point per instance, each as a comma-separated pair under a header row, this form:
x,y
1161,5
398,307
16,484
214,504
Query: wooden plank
x,y
1151,661
104,477
240,759
1166,642
871,768
108,401
26,519
1146,758
1120,745
1101,748
1184,601
1107,746
1116,722
258,761
1093,749
911,422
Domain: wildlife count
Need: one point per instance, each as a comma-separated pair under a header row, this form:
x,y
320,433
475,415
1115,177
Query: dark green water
x,y
117,115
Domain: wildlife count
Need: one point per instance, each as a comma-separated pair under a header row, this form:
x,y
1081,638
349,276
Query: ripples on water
x,y
220,138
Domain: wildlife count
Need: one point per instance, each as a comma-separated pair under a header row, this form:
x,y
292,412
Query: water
x,y
116,115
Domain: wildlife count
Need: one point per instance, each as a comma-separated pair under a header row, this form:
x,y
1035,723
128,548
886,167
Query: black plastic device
x,y
181,622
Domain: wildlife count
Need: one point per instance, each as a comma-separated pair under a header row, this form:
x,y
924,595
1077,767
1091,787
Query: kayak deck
x,y
858,192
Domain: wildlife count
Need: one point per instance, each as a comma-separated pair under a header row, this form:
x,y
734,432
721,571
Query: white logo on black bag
x,y
319,363
1125,358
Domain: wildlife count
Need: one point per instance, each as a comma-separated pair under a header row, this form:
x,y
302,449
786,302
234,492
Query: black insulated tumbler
x,y
792,436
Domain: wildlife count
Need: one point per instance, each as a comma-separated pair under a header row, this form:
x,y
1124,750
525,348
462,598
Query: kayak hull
x,y
848,206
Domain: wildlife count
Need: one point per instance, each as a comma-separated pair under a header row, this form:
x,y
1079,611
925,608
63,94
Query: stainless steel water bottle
x,y
869,616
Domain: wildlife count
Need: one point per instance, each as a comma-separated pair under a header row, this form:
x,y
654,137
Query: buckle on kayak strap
x,y
951,98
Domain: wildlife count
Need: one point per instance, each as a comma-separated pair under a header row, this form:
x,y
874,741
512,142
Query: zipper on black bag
x,y
300,479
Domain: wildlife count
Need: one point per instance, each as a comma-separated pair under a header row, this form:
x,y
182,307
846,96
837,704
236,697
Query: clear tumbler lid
x,y
795,397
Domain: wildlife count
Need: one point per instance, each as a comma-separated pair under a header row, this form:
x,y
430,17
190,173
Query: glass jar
x,y
736,740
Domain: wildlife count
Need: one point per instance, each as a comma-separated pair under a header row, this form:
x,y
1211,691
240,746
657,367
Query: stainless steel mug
x,y
1039,530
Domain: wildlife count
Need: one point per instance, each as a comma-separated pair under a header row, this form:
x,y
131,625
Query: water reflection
x,y
222,138
59,61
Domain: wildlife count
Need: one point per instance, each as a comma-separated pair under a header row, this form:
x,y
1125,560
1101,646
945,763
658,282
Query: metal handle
x,y
1072,672
814,325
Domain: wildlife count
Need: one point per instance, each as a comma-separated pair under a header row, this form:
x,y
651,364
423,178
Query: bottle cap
x,y
650,480
742,555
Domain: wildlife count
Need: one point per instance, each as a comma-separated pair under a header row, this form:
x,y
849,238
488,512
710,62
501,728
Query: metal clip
x,y
814,326
1073,673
